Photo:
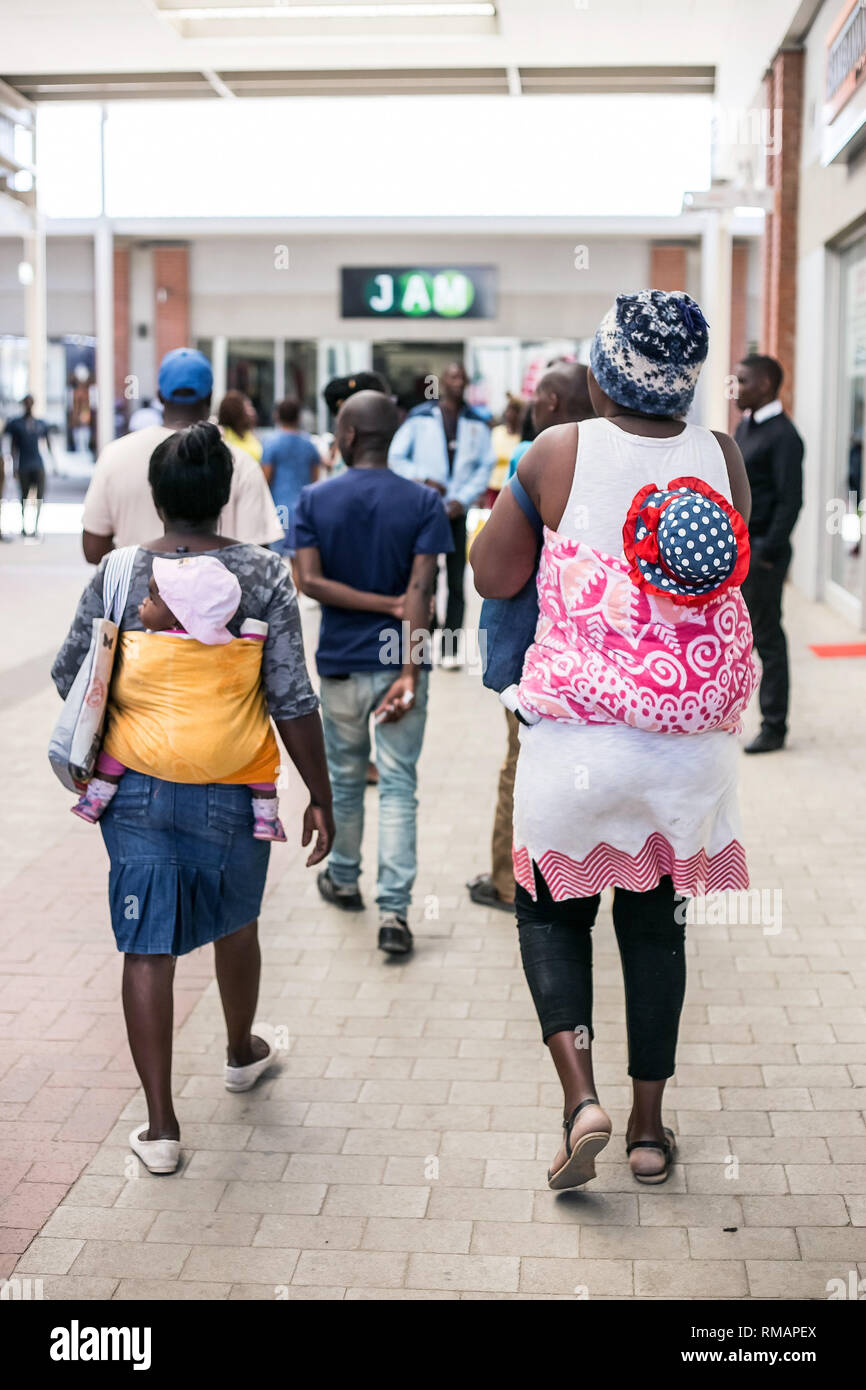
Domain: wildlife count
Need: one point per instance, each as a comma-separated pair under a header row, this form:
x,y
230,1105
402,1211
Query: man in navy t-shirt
x,y
366,544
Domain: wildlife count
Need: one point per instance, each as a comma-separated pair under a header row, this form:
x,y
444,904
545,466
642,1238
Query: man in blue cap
x,y
119,509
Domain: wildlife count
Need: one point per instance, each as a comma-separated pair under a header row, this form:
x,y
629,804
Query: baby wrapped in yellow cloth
x,y
186,712
186,701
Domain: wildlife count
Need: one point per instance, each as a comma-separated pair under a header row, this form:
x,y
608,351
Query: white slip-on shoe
x,y
244,1078
157,1155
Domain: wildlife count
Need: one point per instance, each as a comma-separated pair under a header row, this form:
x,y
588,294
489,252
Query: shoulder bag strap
x,y
115,587
527,506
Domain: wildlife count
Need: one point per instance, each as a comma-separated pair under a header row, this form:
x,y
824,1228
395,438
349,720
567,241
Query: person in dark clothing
x,y
367,543
447,445
773,454
25,435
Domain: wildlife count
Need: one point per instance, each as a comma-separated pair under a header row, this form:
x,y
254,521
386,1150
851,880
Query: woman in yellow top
x,y
237,419
505,438
185,867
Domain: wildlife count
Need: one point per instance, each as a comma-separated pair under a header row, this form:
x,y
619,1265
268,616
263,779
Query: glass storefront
x,y
266,369
408,367
250,368
844,513
300,373
64,356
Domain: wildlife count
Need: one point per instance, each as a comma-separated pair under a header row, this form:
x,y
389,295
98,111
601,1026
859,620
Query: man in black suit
x,y
773,454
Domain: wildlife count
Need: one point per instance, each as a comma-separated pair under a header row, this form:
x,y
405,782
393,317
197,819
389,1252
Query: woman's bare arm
x,y
505,554
304,742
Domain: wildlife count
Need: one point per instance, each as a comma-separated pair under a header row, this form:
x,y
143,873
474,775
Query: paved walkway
x,y
399,1149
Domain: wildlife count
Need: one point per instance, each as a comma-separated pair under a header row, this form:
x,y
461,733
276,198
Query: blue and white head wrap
x,y
648,351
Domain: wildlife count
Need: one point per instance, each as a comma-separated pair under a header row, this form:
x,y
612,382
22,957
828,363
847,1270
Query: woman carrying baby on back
x,y
189,744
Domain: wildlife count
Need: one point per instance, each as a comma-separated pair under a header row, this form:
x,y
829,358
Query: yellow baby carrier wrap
x,y
185,712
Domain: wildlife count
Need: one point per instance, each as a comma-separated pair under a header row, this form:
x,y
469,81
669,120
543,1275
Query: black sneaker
x,y
346,899
482,890
766,742
395,937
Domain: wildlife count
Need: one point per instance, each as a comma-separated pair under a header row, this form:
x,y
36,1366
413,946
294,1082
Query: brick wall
x,y
783,92
171,290
667,267
739,315
121,319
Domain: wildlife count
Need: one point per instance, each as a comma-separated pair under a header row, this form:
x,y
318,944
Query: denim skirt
x,y
185,869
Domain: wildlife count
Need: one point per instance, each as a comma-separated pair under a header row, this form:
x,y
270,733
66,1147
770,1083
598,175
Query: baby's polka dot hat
x,y
685,542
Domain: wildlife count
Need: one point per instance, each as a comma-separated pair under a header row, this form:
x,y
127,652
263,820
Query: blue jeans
x,y
346,709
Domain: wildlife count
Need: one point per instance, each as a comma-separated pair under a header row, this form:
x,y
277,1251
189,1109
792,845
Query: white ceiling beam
x,y
218,85
680,226
16,107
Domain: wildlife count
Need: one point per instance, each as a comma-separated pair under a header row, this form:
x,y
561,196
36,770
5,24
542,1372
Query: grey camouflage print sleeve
x,y
77,642
288,689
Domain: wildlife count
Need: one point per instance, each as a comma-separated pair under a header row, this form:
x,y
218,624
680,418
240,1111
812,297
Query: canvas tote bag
x,y
77,735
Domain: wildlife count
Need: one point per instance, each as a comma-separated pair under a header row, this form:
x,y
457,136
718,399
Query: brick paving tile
x,y
578,1278
397,1149
785,1279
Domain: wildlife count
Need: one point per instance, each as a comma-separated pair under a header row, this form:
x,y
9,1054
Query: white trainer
x,y
157,1155
244,1078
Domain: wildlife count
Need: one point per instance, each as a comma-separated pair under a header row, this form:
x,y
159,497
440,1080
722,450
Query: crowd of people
x,y
633,539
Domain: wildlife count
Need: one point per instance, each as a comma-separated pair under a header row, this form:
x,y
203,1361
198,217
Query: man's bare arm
x,y
336,595
95,547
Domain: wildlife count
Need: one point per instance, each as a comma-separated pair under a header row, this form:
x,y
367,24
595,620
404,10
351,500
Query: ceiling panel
x,y
548,40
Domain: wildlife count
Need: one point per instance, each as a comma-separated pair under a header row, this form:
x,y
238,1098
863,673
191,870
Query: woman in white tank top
x,y
608,794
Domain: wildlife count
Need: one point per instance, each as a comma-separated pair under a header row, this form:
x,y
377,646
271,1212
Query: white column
x,y
220,368
716,246
35,314
322,379
103,258
279,373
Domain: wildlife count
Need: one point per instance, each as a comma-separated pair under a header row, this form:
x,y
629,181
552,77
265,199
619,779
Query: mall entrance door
x,y
408,367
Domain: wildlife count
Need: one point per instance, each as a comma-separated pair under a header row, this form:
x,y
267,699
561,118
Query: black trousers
x,y
31,479
455,573
762,591
556,949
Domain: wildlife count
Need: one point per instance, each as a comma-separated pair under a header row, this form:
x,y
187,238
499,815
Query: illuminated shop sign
x,y
412,292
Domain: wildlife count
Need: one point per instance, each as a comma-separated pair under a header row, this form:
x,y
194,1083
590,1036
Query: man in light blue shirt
x,y
446,445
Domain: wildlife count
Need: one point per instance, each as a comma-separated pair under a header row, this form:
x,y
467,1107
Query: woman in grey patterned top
x,y
185,869
266,593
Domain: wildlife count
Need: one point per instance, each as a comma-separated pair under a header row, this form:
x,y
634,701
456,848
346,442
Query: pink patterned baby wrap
x,y
607,651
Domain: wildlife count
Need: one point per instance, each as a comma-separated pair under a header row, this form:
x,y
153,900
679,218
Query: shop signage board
x,y
412,292
846,57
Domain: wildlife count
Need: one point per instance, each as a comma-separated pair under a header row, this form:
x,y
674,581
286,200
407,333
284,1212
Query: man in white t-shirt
x,y
119,509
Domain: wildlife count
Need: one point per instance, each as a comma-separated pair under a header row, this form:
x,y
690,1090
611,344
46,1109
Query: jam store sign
x,y
440,292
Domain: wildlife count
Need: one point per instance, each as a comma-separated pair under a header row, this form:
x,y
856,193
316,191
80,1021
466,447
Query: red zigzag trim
x,y
605,867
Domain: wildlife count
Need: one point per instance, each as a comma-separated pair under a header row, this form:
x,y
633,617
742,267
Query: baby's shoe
x,y
268,829
266,823
94,800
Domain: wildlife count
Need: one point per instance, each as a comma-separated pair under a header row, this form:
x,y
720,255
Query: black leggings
x,y
556,948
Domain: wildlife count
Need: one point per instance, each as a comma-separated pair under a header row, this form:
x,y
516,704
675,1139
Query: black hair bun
x,y
190,473
197,442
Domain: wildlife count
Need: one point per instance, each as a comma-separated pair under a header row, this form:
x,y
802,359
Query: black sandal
x,y
668,1149
579,1165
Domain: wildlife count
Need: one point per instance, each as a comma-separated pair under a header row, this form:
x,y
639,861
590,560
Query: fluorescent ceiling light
x,y
431,10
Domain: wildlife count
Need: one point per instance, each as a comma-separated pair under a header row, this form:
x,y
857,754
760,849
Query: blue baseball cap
x,y
185,375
